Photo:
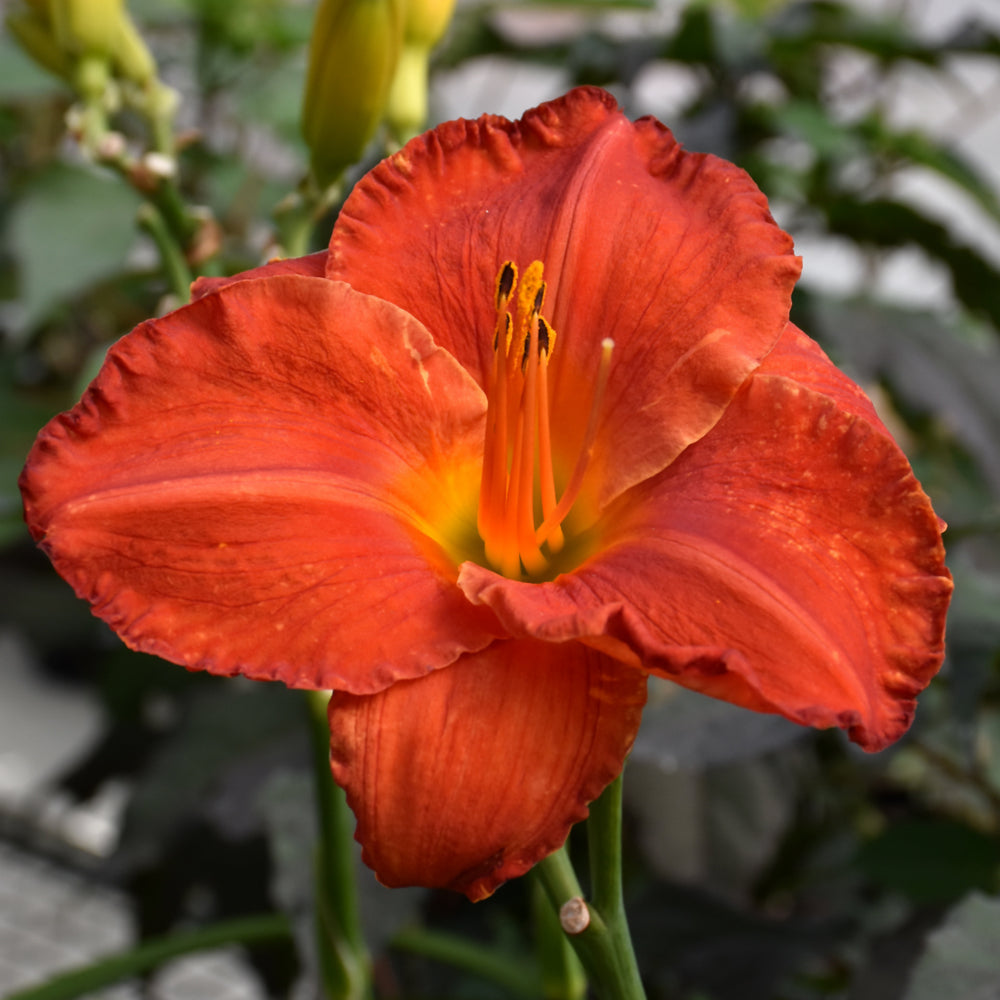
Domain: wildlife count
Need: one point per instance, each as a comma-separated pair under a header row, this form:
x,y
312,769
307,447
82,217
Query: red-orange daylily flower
x,y
535,427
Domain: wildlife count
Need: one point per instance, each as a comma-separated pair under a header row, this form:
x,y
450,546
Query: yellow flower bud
x,y
406,109
424,24
132,58
426,21
86,26
34,34
352,59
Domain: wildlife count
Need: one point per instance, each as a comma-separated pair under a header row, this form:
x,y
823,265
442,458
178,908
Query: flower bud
x,y
86,26
34,34
424,24
426,21
132,58
352,58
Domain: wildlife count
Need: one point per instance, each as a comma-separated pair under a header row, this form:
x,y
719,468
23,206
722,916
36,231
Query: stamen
x,y
546,340
572,490
495,446
545,335
531,556
506,280
518,432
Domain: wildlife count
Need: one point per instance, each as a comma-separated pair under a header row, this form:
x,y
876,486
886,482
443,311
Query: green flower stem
x,y
343,956
178,215
295,223
152,953
604,945
179,277
93,82
604,837
297,215
604,831
559,878
91,77
160,105
486,963
563,977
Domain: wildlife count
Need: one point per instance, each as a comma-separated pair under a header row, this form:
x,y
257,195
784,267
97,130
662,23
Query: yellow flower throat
x,y
517,473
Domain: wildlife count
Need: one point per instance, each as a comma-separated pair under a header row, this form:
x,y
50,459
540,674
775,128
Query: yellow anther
x,y
531,292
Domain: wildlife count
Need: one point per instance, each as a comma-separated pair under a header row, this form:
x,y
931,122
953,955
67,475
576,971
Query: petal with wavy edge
x,y
245,486
788,562
467,777
673,255
311,266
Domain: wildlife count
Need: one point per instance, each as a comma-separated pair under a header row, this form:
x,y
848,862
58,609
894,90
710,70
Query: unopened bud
x,y
352,59
33,32
160,165
130,54
424,24
89,26
148,172
406,109
111,147
426,21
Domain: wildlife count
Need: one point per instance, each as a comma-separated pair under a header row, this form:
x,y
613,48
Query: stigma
x,y
520,516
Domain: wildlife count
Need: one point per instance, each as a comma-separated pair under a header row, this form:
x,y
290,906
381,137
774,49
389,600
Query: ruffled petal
x,y
311,266
249,485
672,255
788,562
467,777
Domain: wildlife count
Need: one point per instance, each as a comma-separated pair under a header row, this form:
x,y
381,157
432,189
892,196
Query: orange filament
x,y
517,452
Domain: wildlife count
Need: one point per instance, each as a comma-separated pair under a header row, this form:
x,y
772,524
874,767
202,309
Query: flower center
x,y
517,475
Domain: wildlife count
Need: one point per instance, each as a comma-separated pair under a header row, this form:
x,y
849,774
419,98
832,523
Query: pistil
x,y
517,453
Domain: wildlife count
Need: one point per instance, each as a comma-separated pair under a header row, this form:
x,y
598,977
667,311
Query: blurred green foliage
x,y
777,864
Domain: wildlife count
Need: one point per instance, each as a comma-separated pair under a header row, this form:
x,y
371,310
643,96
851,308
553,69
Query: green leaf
x,y
694,41
153,953
810,26
885,223
838,143
962,959
811,123
920,150
70,228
